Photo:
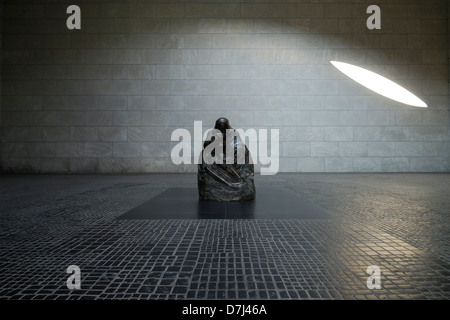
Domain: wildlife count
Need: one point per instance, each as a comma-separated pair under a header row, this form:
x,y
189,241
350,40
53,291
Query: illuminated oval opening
x,y
379,84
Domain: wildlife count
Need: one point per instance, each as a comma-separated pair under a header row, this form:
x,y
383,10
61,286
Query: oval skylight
x,y
379,84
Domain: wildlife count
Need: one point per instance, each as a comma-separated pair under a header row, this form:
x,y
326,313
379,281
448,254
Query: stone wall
x,y
1,51
106,98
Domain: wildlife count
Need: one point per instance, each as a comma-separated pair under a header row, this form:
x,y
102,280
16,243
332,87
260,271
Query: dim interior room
x,y
93,97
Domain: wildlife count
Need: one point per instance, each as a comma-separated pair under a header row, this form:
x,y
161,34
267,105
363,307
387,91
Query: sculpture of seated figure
x,y
226,175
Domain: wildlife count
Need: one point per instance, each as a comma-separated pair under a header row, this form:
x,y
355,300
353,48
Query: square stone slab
x,y
183,203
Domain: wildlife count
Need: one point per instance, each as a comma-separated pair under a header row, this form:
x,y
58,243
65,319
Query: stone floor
x,y
398,222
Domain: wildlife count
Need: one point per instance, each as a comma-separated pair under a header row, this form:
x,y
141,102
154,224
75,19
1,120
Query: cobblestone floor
x,y
399,222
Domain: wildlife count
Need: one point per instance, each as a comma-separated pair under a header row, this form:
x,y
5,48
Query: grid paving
x,y
398,222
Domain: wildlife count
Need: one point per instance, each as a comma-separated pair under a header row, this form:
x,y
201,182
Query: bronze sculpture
x,y
225,170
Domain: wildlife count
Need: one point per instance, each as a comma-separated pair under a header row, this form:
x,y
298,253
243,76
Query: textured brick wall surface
x,y
106,98
1,51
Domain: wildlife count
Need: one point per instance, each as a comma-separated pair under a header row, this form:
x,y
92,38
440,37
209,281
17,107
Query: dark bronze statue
x,y
226,171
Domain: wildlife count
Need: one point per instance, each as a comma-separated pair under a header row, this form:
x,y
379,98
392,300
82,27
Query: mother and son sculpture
x,y
225,172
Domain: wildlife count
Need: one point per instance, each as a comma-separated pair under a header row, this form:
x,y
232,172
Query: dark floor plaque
x,y
183,203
